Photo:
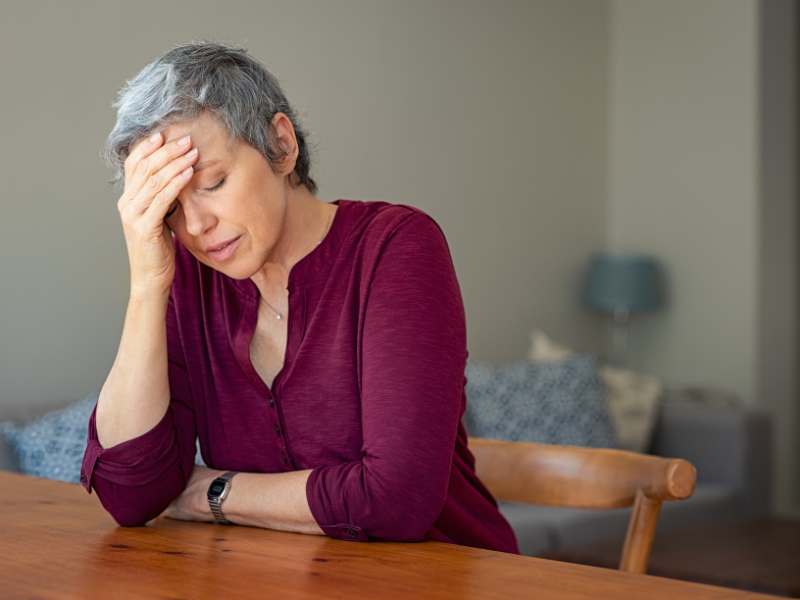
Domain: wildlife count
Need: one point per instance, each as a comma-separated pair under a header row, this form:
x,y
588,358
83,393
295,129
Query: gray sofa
x,y
728,446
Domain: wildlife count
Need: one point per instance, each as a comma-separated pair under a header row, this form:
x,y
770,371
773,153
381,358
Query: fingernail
x,y
187,171
155,137
183,141
191,153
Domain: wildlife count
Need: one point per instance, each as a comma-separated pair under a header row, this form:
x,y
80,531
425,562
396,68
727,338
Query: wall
x,y
703,170
491,116
683,182
778,249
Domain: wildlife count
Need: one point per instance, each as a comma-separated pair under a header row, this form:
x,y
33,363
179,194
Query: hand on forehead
x,y
208,135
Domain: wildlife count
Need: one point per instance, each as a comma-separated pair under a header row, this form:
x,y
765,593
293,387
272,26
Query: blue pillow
x,y
548,403
52,446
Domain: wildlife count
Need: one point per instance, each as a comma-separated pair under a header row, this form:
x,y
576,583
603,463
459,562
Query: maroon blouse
x,y
370,396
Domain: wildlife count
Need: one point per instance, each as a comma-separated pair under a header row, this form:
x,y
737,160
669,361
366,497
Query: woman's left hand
x,y
192,504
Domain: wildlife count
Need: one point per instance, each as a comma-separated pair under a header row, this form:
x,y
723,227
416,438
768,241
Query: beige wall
x,y
703,174
491,116
683,181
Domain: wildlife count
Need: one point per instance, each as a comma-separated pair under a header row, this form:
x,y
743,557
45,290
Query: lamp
x,y
622,284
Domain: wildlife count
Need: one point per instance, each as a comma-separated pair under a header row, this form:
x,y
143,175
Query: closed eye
x,y
216,187
172,209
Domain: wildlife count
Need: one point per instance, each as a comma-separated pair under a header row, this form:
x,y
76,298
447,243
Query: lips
x,y
223,250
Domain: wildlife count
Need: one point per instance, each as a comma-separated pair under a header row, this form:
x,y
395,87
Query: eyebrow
x,y
205,163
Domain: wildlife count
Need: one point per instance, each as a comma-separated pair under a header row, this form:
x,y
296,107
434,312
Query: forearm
x,y
136,395
273,501
268,500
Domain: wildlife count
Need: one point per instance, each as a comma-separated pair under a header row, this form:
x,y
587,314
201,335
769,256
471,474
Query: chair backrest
x,y
587,478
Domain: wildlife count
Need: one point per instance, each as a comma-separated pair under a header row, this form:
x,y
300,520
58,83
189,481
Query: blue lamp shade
x,y
621,282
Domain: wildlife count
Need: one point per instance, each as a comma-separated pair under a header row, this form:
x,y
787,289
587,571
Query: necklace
x,y
279,314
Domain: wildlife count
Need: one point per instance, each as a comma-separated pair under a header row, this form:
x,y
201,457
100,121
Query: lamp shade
x,y
622,282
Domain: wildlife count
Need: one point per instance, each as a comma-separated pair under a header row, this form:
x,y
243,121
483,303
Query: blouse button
x,y
352,533
283,457
83,479
271,401
277,430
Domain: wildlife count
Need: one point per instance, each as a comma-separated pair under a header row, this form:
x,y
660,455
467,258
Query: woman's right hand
x,y
155,173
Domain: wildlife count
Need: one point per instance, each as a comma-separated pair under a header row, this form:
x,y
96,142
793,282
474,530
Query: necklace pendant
x,y
278,317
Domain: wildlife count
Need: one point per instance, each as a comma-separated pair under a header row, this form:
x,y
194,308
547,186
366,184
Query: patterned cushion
x,y
52,446
547,403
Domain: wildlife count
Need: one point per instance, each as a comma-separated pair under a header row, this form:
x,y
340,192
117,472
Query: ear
x,y
285,141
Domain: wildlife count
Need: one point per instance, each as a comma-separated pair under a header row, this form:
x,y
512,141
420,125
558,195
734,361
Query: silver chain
x,y
279,314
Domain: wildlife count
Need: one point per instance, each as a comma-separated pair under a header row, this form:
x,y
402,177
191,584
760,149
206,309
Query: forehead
x,y
209,135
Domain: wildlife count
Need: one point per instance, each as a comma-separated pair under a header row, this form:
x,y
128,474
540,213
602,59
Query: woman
x,y
316,350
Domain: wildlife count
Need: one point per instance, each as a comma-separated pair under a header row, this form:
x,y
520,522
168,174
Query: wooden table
x,y
57,542
757,554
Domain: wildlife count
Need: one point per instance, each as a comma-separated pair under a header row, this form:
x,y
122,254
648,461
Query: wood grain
x,y
57,542
595,478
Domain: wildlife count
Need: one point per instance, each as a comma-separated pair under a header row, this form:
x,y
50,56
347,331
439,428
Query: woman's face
x,y
230,215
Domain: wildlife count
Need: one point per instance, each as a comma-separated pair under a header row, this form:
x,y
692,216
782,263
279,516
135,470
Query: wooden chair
x,y
587,478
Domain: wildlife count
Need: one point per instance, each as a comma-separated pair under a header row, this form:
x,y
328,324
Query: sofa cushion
x,y
52,446
8,462
633,398
564,527
549,403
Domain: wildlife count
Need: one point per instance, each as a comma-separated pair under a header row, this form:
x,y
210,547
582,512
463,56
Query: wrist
x,y
218,492
141,295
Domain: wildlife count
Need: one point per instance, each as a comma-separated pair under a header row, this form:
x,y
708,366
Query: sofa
x,y
728,445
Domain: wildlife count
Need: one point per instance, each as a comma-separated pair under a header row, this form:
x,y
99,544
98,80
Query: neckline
x,y
319,259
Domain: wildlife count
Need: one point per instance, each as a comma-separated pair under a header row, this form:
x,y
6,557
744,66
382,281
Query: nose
x,y
198,219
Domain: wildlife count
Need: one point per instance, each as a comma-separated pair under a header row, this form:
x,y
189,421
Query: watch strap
x,y
215,502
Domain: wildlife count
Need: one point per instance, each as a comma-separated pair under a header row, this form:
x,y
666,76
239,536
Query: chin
x,y
235,271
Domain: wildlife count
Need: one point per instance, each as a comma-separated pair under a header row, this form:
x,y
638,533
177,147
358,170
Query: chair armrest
x,y
578,477
726,444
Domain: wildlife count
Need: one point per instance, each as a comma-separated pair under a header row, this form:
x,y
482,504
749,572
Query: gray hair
x,y
186,81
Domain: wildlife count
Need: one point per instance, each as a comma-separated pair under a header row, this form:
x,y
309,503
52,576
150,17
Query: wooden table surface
x,y
56,541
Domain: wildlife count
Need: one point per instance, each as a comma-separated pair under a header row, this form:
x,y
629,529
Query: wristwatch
x,y
217,492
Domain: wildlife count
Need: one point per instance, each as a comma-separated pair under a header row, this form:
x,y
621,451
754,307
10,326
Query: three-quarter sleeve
x,y
137,479
412,355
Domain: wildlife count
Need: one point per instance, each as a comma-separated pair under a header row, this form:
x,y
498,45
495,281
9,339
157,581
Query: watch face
x,y
217,487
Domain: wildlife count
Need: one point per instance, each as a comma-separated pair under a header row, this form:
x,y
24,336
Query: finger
x,y
159,181
157,209
144,148
151,163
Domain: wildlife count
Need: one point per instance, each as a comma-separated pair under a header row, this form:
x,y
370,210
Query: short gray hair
x,y
203,76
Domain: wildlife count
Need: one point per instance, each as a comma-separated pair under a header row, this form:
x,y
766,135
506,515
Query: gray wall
x,y
778,222
489,115
684,182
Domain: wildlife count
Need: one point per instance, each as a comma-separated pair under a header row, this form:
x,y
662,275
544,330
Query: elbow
x,y
405,519
125,520
130,515
410,528
353,502
132,506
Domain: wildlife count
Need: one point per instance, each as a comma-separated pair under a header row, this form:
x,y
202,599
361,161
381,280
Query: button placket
x,y
295,329
280,439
